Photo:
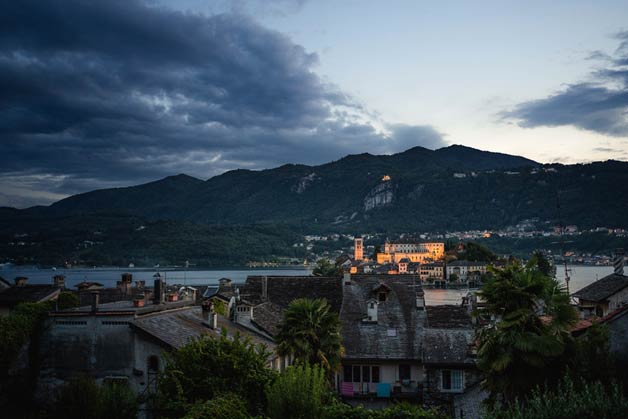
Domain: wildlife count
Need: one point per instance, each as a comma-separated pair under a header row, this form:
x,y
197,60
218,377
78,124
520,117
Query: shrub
x,y
226,406
299,392
585,400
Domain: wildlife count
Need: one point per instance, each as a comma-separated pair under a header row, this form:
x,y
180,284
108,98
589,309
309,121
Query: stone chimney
x,y
95,300
346,278
159,290
213,320
264,288
618,262
420,300
207,307
59,281
20,281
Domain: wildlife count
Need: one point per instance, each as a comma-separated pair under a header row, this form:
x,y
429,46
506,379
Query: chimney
x,y
20,281
159,291
264,288
213,316
346,278
95,299
420,300
140,284
224,282
618,262
58,281
207,307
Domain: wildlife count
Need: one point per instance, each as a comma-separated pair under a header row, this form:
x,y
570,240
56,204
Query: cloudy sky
x,y
118,92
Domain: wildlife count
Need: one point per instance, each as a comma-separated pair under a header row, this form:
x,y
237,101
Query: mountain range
x,y
449,189
455,187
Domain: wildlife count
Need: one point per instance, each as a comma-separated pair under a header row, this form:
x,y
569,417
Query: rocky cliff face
x,y
380,195
304,182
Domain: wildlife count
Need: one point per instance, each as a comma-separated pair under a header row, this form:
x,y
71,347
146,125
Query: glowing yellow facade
x,y
415,252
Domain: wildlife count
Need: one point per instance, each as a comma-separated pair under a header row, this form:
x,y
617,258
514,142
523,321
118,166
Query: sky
x,y
97,94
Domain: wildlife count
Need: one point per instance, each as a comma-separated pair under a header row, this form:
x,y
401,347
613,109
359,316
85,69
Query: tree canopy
x,y
208,367
310,333
526,340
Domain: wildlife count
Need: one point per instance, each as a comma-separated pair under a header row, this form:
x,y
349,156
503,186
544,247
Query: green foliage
x,y
590,400
541,263
477,253
310,333
397,411
325,268
15,330
225,406
453,278
67,300
593,360
82,398
298,393
209,367
530,341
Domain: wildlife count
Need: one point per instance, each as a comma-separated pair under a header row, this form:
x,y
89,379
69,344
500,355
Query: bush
x,y
299,392
592,400
67,300
396,411
209,367
82,398
226,406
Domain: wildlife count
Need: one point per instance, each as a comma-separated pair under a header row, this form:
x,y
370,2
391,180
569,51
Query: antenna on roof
x,y
561,229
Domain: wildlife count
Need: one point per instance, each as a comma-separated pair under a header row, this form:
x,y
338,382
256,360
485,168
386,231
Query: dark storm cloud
x,y
599,105
100,93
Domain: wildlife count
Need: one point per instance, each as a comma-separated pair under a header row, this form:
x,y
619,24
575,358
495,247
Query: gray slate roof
x,y
176,328
448,317
282,290
603,288
364,340
466,263
27,294
448,347
449,336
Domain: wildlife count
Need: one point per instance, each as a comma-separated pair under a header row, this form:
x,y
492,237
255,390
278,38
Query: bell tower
x,y
358,248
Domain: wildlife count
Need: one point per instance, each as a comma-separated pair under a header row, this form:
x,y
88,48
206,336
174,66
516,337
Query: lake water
x,y
580,277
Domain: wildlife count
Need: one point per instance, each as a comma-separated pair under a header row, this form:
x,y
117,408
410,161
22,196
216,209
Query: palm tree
x,y
310,333
526,341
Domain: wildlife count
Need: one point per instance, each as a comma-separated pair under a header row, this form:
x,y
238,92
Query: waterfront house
x,y
605,295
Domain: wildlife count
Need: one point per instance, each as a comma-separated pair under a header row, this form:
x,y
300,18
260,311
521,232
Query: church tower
x,y
358,245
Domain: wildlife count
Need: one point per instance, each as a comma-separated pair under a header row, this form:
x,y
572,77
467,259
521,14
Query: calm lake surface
x,y
581,276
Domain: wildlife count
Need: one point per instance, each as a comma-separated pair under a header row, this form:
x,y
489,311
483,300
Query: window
x,y
404,371
361,374
153,364
381,296
356,374
348,373
366,373
375,374
452,380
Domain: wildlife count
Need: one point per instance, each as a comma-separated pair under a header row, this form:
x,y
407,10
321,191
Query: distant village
x,y
397,346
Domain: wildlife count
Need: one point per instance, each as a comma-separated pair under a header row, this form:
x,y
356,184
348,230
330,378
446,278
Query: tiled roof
x,y
27,294
448,317
397,333
466,263
177,327
268,317
282,290
583,324
448,346
603,288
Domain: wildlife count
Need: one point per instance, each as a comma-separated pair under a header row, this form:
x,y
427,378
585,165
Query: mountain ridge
x,y
454,187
